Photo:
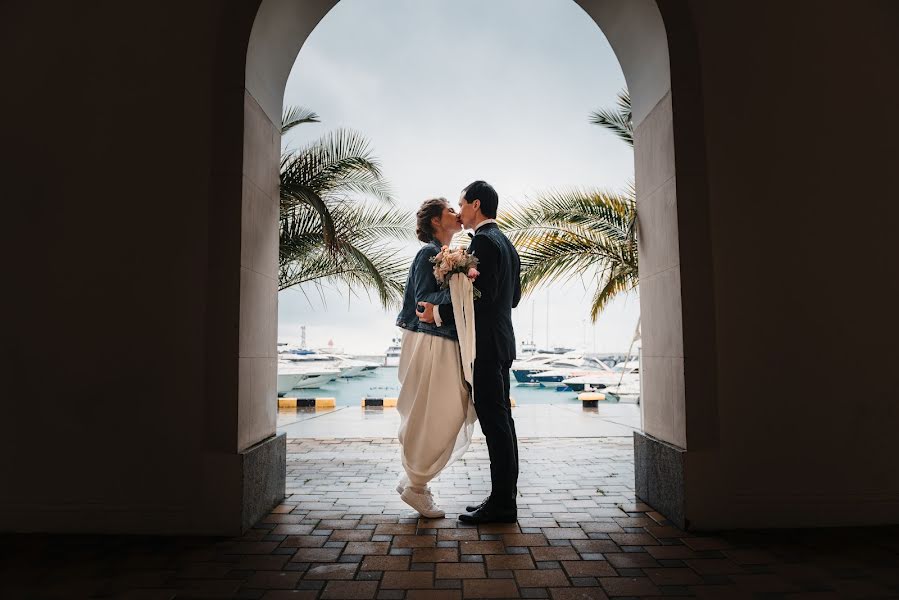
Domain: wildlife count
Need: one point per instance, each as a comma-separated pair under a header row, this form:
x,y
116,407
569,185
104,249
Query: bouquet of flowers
x,y
450,261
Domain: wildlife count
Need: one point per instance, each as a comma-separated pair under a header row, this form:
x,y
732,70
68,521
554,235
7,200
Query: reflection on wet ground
x,y
535,420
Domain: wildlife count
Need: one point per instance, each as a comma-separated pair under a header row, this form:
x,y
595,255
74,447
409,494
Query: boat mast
x,y
548,347
533,306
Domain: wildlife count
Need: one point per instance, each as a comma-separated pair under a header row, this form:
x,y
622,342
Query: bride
x,y
436,413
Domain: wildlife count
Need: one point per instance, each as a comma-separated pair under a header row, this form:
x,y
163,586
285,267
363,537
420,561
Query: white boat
x,y
347,367
601,380
287,381
392,356
316,378
370,368
523,368
535,360
630,366
622,380
562,371
528,349
292,375
351,367
626,392
560,366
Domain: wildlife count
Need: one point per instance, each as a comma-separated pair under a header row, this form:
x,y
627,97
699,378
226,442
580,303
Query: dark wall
x,y
799,102
120,299
122,133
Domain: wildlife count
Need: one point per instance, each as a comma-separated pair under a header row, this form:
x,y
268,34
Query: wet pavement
x,y
531,421
343,533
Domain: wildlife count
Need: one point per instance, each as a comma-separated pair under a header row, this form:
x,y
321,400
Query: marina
x,y
541,378
383,383
557,393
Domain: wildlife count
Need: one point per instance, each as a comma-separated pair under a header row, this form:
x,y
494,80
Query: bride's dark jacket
x,y
421,286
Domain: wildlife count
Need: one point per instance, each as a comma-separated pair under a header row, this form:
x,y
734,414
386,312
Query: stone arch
x,y
651,42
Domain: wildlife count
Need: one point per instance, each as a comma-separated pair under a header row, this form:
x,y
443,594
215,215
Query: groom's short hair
x,y
483,191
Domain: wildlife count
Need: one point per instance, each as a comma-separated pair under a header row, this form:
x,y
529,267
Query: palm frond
x,y
340,162
370,223
329,171
296,115
618,120
328,233
615,283
358,221
606,212
381,273
576,233
302,237
461,240
374,267
364,256
560,255
296,197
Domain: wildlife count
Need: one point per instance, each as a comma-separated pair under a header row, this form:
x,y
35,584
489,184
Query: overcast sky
x,y
449,91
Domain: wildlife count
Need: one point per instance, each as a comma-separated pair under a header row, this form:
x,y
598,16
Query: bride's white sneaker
x,y
423,503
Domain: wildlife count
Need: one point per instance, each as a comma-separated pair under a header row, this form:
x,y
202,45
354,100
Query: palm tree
x,y
586,232
338,220
618,120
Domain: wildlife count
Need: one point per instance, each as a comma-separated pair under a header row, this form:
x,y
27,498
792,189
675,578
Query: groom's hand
x,y
425,312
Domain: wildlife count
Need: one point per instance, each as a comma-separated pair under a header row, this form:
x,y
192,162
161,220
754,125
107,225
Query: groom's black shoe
x,y
478,507
490,514
483,503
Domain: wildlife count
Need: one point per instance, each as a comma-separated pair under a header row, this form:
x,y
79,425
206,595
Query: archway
x,y
198,241
674,255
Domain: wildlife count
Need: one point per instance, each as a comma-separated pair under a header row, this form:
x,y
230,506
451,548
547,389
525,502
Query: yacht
x,y
591,382
529,371
296,375
317,377
392,356
370,368
556,350
524,368
287,380
621,381
347,367
349,364
528,349
629,366
588,366
351,367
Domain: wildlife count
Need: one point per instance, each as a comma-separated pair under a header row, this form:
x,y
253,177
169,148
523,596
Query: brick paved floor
x,y
343,533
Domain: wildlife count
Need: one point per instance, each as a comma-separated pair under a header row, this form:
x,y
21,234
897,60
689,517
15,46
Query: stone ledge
x,y
659,478
263,478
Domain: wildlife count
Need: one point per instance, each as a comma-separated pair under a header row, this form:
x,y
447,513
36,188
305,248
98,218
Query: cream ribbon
x,y
462,294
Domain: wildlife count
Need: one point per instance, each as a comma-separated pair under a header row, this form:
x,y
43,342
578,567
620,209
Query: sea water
x,y
384,384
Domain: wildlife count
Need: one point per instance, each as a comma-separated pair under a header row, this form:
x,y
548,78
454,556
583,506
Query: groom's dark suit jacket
x,y
500,287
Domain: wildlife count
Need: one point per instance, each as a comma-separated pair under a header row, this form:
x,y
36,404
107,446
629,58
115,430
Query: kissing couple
x,y
457,347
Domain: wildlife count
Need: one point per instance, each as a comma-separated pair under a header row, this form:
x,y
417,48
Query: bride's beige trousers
x,y
436,414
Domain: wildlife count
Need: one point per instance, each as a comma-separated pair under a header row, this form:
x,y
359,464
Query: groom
x,y
500,285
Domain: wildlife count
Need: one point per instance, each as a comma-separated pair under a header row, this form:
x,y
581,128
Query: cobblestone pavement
x,y
342,532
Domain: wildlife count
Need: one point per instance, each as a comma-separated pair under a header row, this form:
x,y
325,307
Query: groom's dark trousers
x,y
491,401
500,285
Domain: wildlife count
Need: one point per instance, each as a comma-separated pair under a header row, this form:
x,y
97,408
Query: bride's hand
x,y
425,312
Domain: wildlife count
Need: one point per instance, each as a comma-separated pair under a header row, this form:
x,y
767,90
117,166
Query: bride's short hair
x,y
429,209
